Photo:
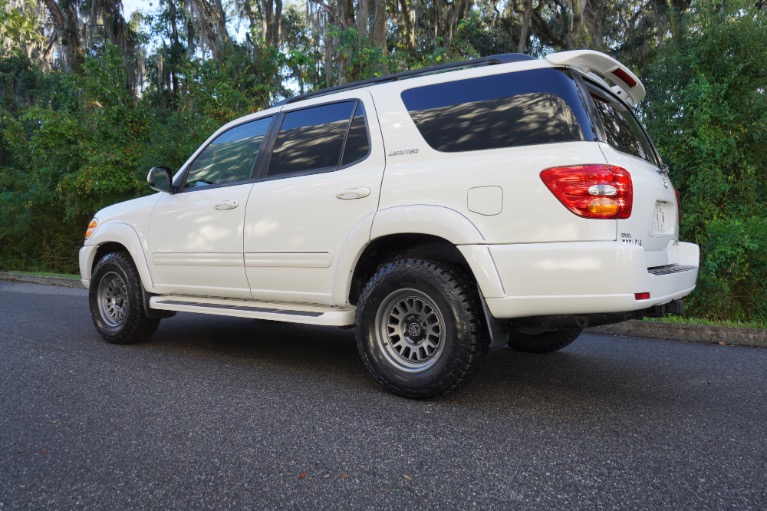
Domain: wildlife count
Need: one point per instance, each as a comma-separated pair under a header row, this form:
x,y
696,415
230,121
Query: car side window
x,y
357,145
230,157
312,139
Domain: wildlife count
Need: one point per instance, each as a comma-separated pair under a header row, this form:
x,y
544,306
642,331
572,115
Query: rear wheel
x,y
542,342
116,301
418,328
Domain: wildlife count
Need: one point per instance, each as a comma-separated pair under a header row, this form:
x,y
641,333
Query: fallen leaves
x,y
303,475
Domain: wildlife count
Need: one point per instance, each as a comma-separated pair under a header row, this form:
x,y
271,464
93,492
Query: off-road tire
x,y
116,301
544,342
419,328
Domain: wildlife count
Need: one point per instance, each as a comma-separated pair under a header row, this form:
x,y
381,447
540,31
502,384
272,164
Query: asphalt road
x,y
218,413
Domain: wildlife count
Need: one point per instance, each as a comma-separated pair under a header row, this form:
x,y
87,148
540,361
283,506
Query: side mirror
x,y
159,179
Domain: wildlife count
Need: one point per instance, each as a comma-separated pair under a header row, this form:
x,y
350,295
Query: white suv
x,y
503,198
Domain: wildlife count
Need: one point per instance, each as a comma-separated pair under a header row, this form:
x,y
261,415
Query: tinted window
x,y
311,139
514,109
622,130
230,157
357,144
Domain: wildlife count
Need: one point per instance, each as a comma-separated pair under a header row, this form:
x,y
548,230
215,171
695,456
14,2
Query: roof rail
x,y
505,58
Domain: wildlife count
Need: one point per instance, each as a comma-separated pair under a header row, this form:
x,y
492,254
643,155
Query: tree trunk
x,y
67,26
363,12
212,20
378,24
578,35
408,16
525,26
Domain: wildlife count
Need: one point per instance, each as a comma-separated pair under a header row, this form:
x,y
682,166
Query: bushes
x,y
71,144
733,276
707,111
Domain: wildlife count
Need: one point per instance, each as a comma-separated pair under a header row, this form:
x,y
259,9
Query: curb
x,y
753,337
36,279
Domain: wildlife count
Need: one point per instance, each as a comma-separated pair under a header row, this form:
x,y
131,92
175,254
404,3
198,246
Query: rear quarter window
x,y
513,109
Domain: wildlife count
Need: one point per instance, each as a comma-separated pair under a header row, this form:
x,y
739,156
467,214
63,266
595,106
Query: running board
x,y
289,313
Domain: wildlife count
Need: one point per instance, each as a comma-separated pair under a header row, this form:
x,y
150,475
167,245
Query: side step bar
x,y
293,313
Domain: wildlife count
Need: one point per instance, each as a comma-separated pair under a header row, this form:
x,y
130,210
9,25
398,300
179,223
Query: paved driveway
x,y
218,413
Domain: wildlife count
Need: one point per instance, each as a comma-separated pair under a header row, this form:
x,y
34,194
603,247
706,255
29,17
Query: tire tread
x,y
138,327
474,347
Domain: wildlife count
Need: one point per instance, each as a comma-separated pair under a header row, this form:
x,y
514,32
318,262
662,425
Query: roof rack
x,y
505,58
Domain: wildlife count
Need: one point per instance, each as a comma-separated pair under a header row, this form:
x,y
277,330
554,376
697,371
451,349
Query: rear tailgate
x,y
654,220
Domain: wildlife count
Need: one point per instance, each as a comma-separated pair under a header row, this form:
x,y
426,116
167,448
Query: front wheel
x,y
542,342
418,328
116,302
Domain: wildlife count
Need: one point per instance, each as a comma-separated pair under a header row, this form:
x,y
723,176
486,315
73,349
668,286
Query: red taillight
x,y
641,296
625,77
678,209
592,191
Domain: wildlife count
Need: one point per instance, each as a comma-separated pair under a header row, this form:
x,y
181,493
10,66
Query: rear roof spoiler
x,y
627,85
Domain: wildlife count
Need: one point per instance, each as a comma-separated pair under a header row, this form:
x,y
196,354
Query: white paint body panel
x,y
295,227
582,278
195,248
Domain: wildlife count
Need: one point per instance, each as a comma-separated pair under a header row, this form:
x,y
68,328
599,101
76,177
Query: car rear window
x,y
621,129
540,106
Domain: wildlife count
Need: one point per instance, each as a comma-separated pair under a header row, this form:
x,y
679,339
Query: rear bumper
x,y
587,278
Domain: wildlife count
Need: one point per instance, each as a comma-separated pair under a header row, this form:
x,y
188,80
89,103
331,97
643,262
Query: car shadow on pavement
x,y
587,375
591,376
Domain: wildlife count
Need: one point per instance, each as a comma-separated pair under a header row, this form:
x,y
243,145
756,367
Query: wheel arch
x,y
417,231
438,221
392,231
389,248
118,237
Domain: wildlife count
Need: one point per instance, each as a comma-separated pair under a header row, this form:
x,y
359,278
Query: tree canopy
x,y
89,100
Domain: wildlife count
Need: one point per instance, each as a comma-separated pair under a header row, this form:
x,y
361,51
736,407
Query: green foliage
x,y
19,24
214,93
733,277
475,31
707,111
71,143
75,151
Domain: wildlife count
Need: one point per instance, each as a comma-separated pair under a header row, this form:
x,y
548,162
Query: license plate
x,y
662,218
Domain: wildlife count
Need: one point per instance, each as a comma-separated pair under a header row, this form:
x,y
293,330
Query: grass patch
x,y
686,320
46,274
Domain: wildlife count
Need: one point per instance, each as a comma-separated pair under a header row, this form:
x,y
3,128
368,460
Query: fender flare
x,y
125,235
437,221
353,247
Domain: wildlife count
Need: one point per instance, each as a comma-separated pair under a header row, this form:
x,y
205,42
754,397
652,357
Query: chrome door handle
x,y
356,192
227,204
